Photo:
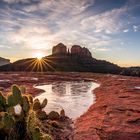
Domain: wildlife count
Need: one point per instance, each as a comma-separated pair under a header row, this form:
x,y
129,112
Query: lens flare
x,y
39,56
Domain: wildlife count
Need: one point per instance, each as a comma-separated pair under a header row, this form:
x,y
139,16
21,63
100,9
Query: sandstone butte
x,y
114,116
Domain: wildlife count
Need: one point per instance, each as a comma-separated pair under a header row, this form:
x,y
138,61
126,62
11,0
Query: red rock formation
x,y
86,52
59,49
76,49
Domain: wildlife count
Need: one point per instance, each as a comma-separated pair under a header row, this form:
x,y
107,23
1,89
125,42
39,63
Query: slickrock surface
x,y
116,113
114,116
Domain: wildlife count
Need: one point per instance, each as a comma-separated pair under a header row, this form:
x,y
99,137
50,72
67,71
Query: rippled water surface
x,y
74,97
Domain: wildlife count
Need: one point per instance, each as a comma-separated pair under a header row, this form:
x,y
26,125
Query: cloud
x,y
135,28
1,46
35,31
61,6
16,1
40,24
122,43
126,30
108,22
32,37
103,49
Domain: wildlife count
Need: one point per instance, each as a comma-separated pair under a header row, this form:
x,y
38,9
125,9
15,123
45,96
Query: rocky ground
x,y
114,116
116,113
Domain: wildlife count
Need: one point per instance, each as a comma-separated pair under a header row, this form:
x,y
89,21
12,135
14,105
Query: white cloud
x,y
122,43
135,28
102,43
61,6
108,22
1,46
31,37
101,49
126,30
16,1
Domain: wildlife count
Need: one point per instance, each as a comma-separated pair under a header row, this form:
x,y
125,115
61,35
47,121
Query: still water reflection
x,y
74,97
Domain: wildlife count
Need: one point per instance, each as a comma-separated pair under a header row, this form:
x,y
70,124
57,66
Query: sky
x,y
110,29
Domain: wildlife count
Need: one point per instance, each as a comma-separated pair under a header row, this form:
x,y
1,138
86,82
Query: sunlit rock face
x,y
59,49
4,61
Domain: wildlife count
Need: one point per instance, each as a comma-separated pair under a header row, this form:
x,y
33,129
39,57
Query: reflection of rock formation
x,y
75,50
77,88
74,88
59,88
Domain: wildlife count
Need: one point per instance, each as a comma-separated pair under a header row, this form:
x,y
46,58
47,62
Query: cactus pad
x,y
44,103
53,115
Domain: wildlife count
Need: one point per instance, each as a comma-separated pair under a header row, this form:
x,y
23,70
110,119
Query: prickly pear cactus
x,y
36,105
16,94
11,110
30,99
46,137
22,89
41,115
1,120
44,103
62,113
19,108
36,134
15,97
8,120
2,102
26,104
53,115
11,101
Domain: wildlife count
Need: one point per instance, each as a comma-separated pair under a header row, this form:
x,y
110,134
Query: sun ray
x,y
40,64
48,65
31,64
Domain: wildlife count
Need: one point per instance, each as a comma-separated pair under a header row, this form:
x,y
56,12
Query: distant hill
x,y
4,61
62,59
131,71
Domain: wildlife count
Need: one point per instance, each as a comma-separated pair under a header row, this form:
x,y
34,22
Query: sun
x,y
40,62
39,56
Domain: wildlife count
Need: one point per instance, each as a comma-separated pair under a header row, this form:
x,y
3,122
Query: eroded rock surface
x,y
116,113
